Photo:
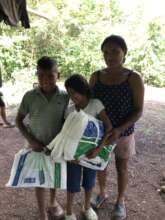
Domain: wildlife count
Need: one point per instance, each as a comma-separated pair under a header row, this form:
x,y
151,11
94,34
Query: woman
x,y
122,92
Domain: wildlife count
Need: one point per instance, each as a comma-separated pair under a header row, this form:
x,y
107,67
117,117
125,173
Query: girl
x,y
79,92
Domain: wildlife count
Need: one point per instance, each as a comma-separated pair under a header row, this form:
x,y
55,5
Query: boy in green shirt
x,y
45,106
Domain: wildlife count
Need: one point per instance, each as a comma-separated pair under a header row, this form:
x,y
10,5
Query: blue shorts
x,y
75,173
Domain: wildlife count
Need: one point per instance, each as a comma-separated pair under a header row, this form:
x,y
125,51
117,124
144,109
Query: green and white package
x,y
35,169
80,134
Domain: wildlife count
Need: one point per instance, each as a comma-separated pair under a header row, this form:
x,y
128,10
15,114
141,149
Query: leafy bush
x,y
74,36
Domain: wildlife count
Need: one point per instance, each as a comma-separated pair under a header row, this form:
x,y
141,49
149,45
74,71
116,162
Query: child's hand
x,y
74,161
36,146
93,153
47,151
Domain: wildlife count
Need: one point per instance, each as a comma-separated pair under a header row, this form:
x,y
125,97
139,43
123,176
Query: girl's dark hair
x,y
79,84
46,63
117,40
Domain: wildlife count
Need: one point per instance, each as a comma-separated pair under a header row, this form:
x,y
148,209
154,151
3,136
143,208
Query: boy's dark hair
x,y
46,63
78,83
117,40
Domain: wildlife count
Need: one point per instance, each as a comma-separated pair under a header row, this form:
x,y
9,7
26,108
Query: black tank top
x,y
118,101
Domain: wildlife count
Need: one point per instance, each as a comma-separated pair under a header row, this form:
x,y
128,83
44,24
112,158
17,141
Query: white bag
x,y
64,145
35,169
80,134
99,162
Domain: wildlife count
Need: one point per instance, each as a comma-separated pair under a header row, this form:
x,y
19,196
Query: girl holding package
x,y
79,92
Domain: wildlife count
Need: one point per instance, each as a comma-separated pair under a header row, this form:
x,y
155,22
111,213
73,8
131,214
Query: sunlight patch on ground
x,y
154,94
13,93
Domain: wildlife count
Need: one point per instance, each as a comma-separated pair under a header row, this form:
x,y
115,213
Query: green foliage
x,y
148,57
13,53
74,36
116,13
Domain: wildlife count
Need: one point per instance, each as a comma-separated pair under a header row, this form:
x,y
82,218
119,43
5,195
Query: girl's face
x,y
113,55
76,97
47,79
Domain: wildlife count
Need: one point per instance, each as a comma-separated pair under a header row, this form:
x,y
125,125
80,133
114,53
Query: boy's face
x,y
47,79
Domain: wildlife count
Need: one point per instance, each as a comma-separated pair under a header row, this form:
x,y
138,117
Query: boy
x,y
45,106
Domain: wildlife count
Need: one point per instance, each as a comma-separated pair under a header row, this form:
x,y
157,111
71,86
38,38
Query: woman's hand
x,y
93,153
114,135
106,138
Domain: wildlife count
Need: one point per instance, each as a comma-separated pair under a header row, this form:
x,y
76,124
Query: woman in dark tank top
x,y
122,92
118,101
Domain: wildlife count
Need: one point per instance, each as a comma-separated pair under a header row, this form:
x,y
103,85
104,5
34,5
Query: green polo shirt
x,y
45,117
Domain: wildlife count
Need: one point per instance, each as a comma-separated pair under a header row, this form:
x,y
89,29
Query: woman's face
x,y
113,55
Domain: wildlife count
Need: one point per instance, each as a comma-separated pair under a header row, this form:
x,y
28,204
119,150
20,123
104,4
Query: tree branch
x,y
39,14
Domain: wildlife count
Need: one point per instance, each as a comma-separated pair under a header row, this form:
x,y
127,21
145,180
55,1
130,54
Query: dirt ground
x,y
143,200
